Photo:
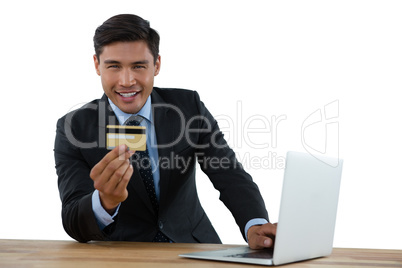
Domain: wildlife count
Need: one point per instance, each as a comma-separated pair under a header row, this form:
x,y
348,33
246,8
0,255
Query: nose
x,y
127,78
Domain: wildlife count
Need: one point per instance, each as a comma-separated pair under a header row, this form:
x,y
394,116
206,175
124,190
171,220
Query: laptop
x,y
307,215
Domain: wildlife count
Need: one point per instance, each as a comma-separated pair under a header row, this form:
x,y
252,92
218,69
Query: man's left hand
x,y
261,236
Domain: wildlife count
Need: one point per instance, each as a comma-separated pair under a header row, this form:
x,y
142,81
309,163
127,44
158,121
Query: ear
x,y
157,65
96,62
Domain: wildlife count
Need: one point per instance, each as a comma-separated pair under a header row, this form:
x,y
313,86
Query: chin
x,y
130,109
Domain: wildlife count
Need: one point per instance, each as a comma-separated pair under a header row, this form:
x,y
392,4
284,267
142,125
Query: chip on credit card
x,y
133,136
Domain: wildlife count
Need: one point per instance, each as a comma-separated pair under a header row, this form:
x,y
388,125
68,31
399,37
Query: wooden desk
x,y
37,253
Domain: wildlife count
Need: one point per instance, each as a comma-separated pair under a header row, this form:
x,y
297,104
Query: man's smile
x,y
128,95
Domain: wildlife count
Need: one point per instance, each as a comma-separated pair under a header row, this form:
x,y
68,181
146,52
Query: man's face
x,y
127,72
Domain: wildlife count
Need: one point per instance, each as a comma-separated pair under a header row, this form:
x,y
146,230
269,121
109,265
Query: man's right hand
x,y
111,176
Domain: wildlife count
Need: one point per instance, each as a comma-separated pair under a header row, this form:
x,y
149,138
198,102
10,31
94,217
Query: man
x,y
111,194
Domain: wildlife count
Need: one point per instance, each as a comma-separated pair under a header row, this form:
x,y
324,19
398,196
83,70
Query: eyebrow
x,y
133,63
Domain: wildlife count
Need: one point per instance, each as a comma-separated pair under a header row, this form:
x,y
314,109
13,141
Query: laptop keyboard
x,y
258,254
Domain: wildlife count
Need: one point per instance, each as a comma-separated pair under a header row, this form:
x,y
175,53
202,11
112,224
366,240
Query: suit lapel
x,y
167,127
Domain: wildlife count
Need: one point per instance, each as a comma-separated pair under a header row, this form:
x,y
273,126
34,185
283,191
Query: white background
x,y
249,60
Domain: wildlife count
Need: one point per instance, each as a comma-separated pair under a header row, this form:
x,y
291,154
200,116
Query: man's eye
x,y
113,67
139,67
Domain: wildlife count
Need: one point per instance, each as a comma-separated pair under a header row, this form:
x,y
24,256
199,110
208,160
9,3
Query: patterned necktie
x,y
145,168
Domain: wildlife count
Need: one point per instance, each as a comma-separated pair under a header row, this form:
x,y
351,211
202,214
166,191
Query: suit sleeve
x,y
75,187
237,190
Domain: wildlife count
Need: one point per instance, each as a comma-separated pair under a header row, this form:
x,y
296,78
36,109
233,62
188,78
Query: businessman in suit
x,y
111,194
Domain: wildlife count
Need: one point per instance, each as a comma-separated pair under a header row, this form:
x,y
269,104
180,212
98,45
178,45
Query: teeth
x,y
126,95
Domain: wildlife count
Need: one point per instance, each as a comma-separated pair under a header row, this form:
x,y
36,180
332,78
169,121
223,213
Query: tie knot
x,y
134,121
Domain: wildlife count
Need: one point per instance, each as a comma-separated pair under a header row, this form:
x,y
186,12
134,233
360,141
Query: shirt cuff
x,y
252,222
102,217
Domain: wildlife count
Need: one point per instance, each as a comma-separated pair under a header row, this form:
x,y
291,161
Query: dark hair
x,y
126,28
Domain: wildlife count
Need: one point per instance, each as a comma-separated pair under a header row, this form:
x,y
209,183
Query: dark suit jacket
x,y
185,130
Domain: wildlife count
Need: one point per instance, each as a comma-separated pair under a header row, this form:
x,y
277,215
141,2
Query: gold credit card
x,y
133,136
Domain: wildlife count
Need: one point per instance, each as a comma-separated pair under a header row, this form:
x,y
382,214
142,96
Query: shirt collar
x,y
144,112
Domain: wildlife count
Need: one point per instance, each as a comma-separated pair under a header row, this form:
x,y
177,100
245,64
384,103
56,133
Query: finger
x,y
120,150
115,190
262,242
115,170
268,229
115,178
258,242
123,182
106,166
100,166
